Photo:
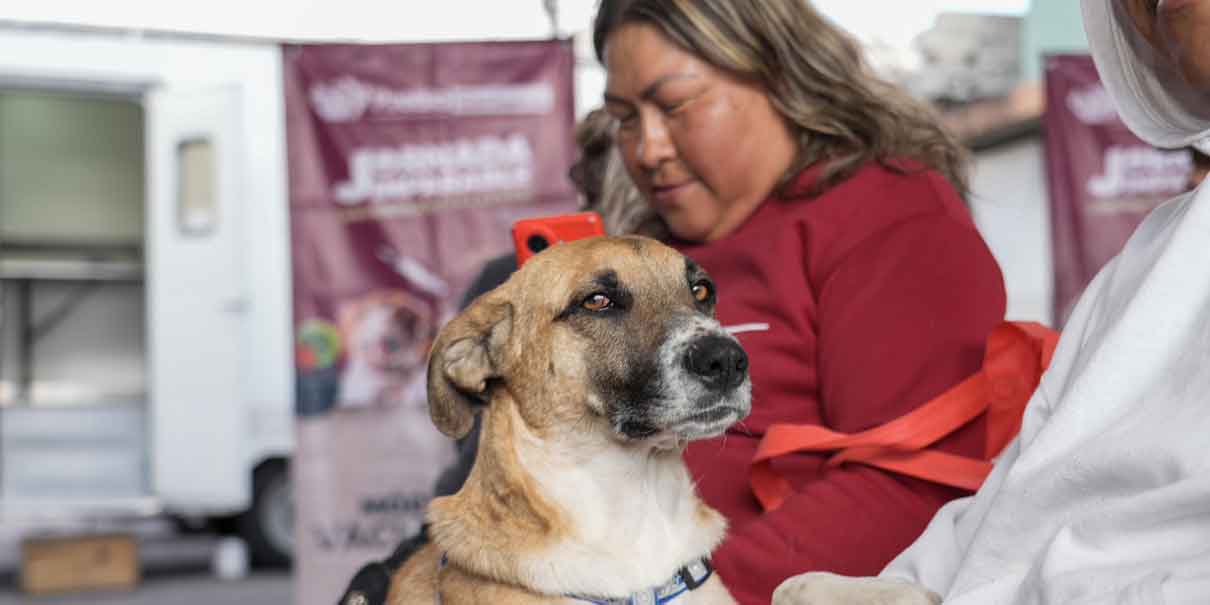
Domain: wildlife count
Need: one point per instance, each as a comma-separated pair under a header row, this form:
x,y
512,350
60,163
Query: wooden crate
x,y
79,563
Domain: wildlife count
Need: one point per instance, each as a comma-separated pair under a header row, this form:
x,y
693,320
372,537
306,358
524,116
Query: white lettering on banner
x,y
1092,105
348,99
483,165
1140,169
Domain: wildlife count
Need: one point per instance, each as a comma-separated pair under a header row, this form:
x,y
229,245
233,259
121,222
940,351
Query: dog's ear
x,y
465,357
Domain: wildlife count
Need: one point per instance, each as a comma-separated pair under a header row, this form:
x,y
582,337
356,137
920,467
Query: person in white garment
x,y
1105,495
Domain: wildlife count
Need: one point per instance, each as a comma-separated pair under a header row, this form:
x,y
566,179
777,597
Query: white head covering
x,y
1152,98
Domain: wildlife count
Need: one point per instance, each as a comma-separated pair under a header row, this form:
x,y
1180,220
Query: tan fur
x,y
509,357
417,581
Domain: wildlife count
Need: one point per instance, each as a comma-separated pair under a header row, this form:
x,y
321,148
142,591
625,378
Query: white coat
x,y
1105,495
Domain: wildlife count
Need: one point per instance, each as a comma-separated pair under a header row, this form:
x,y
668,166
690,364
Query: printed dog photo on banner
x,y
386,336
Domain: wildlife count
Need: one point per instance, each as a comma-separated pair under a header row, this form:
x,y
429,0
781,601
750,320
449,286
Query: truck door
x,y
195,300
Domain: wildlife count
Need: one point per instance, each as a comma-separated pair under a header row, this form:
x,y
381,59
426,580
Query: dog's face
x,y
387,337
616,333
388,332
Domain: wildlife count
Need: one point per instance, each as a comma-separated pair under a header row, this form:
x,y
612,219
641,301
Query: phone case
x,y
533,235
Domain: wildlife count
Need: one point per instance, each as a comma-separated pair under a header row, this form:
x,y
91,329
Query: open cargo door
x,y
195,299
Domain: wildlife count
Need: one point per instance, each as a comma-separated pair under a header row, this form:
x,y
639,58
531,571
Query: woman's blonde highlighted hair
x,y
815,76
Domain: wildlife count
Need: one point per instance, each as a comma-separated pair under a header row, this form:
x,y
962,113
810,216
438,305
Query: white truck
x,y
145,314
146,355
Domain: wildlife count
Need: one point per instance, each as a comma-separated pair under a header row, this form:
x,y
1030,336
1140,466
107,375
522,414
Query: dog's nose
x,y
718,362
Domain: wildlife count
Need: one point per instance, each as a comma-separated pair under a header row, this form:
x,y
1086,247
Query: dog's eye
x,y
597,302
702,291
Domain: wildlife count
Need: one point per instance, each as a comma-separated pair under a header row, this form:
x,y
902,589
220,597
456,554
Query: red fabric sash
x,y
1017,354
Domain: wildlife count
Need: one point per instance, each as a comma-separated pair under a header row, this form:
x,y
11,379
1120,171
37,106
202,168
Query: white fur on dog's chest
x,y
637,518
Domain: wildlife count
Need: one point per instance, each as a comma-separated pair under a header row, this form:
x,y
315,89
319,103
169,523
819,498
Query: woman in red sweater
x,y
828,207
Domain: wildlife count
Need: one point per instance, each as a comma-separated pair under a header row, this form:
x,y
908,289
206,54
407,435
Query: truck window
x,y
197,208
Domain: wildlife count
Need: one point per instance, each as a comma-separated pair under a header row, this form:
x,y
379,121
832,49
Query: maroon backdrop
x,y
1102,179
407,166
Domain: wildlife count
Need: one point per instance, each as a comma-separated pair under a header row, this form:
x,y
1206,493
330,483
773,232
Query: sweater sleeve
x,y
902,316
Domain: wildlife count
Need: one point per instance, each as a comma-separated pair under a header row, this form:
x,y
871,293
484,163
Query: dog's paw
x,y
821,588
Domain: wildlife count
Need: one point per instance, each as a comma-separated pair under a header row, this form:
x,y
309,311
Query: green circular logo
x,y
317,346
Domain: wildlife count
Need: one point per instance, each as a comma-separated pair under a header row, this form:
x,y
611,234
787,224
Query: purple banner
x,y
1102,179
407,166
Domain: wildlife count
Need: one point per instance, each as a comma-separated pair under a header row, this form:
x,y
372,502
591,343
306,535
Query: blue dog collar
x,y
687,578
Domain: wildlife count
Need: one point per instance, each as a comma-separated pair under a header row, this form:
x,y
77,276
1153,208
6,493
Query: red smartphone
x,y
533,235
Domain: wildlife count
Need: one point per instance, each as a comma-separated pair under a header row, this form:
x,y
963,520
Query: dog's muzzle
x,y
703,382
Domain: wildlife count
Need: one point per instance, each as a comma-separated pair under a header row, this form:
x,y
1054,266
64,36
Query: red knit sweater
x,y
855,307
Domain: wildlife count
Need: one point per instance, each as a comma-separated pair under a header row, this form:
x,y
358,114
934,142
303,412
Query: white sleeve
x,y
1180,589
935,558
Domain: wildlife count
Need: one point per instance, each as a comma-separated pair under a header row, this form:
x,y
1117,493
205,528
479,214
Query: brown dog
x,y
593,365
